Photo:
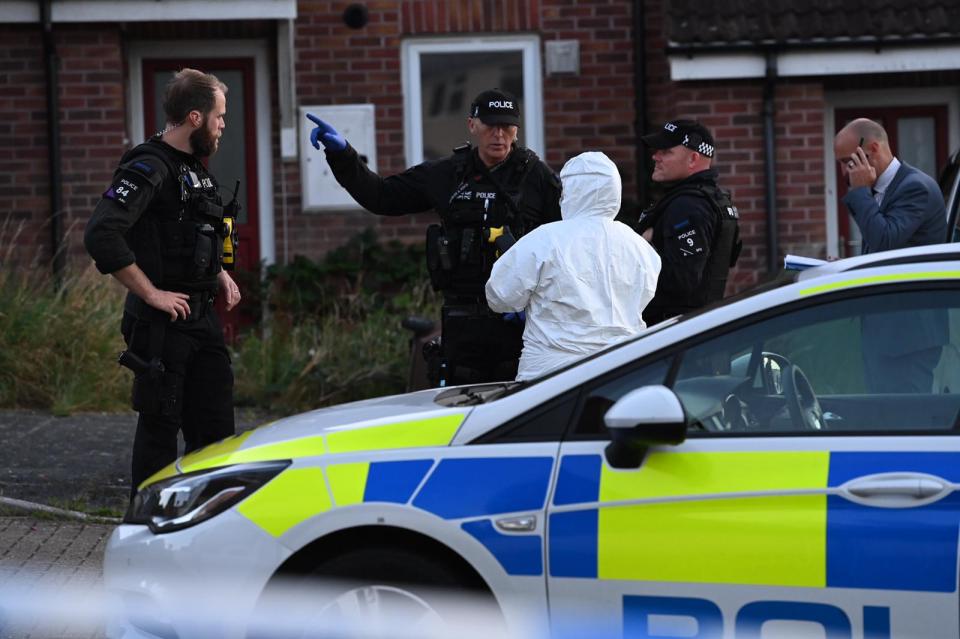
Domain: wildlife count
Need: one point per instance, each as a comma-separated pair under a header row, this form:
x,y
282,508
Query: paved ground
x,y
57,563
81,462
77,462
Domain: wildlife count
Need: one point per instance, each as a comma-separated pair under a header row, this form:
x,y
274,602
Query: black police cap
x,y
496,107
688,133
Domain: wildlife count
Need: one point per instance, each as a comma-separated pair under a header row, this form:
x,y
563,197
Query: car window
x,y
599,397
885,362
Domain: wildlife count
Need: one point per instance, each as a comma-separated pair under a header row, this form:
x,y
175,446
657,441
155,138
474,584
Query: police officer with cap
x,y
159,229
486,194
694,226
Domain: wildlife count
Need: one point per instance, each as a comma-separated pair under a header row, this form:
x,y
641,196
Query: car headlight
x,y
185,500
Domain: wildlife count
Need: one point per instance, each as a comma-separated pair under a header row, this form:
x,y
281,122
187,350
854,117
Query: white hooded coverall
x,y
583,281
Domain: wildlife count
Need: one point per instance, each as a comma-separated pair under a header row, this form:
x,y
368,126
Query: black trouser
x,y
477,346
194,394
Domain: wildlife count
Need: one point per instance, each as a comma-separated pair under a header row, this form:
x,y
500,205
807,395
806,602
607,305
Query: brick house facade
x,y
104,59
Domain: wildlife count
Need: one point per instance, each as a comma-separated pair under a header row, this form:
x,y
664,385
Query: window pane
x,y
450,81
861,364
917,144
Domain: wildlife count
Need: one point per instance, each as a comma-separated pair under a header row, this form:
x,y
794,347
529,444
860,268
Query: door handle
x,y
526,523
899,489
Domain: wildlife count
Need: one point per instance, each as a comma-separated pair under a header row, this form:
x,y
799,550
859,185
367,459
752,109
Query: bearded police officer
x,y
486,196
694,226
159,229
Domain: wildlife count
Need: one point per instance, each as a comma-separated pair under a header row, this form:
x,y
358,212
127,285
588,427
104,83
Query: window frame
x,y
532,104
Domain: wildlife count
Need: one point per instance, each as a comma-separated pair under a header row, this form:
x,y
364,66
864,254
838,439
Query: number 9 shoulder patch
x,y
134,180
690,242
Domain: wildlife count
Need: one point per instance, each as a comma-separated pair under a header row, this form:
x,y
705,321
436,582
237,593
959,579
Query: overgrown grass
x,y
58,348
339,341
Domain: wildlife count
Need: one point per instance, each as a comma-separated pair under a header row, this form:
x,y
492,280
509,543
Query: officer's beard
x,y
203,143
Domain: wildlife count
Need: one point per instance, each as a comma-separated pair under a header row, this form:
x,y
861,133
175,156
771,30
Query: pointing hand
x,y
326,135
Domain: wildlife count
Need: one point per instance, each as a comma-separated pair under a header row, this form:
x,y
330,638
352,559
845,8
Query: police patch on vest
x,y
126,188
691,243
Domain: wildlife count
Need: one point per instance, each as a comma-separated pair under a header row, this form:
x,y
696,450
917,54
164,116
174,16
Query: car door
x,y
806,501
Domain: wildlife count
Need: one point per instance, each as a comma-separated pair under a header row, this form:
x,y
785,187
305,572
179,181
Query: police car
x,y
733,473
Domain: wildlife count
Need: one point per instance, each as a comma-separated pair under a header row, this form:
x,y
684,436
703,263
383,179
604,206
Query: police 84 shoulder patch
x,y
131,181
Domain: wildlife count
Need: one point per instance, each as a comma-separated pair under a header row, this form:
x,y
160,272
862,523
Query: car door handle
x,y
898,485
525,523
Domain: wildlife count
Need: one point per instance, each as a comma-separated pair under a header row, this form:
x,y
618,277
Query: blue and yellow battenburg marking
x,y
794,535
471,489
747,517
468,489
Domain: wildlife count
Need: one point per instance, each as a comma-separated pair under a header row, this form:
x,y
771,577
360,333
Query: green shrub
x,y
333,333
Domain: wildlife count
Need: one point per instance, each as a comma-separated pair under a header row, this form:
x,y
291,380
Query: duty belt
x,y
200,304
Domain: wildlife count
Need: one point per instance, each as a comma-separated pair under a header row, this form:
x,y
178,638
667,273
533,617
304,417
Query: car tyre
x,y
383,591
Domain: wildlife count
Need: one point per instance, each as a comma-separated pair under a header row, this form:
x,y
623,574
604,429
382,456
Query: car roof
x,y
912,255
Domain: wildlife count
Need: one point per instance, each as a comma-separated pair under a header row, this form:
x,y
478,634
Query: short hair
x,y
190,90
868,130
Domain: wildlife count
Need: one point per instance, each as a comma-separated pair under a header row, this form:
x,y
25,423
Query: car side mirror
x,y
642,418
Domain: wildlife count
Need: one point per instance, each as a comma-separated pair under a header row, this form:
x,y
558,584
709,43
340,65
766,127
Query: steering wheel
x,y
802,402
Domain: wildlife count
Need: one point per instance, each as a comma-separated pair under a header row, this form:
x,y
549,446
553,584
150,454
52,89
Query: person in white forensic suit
x,y
582,282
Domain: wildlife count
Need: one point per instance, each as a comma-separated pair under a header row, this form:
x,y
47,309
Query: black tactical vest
x,y
459,255
184,227
724,250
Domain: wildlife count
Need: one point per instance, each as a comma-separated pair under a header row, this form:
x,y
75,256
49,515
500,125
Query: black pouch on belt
x,y
203,250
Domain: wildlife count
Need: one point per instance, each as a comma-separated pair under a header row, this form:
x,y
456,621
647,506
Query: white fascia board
x,y
714,66
149,10
814,62
865,61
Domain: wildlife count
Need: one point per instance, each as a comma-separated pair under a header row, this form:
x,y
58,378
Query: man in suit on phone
x,y
895,206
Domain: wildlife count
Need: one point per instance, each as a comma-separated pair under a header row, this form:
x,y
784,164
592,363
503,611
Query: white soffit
x,y
816,62
148,10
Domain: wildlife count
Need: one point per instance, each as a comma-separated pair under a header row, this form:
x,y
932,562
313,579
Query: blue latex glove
x,y
325,134
518,317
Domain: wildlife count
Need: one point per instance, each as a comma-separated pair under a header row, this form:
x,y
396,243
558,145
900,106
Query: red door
x,y
918,136
235,160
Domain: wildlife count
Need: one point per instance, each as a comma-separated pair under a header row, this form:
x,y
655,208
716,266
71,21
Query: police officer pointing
x,y
694,226
160,229
486,195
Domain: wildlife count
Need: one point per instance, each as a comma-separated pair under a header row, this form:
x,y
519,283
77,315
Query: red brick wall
x,y
91,124
24,184
593,110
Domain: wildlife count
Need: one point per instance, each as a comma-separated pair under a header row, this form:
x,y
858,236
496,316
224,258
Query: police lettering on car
x,y
486,195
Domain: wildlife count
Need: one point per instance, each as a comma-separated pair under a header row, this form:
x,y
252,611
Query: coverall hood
x,y
583,281
591,187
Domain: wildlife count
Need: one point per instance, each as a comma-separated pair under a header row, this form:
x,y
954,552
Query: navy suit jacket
x,y
912,212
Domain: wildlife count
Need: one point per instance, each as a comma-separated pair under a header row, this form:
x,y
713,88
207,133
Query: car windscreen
x,y
781,279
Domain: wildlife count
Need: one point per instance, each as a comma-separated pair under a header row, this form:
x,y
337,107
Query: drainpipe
x,y
639,99
53,135
769,87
